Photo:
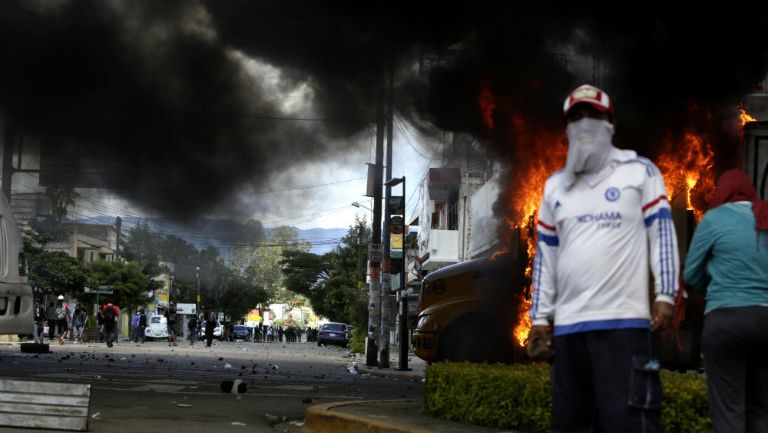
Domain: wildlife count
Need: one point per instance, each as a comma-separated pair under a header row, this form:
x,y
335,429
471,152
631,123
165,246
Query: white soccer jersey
x,y
591,266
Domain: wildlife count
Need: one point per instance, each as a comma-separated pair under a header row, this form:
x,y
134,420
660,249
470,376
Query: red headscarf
x,y
734,185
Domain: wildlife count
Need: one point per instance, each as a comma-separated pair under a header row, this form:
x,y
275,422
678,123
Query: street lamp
x,y
404,343
357,204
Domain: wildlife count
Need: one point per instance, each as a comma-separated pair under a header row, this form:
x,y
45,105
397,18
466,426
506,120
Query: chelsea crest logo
x,y
612,194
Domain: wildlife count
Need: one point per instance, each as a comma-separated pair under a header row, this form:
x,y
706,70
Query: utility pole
x,y
197,292
374,291
9,141
119,228
404,339
386,271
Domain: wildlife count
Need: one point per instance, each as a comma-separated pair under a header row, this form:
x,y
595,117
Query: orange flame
x,y
686,164
744,117
526,193
487,104
686,167
524,190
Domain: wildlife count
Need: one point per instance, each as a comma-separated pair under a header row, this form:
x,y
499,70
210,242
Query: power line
x,y
302,187
405,138
406,126
402,127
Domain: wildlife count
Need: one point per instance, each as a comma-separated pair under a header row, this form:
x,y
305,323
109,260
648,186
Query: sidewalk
x,y
383,416
416,366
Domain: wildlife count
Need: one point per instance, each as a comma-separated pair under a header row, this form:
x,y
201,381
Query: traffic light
x,y
396,224
396,205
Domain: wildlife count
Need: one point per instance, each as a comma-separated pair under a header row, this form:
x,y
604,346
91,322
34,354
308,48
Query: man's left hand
x,y
661,315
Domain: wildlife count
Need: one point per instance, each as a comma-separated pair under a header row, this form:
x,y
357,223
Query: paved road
x,y
156,388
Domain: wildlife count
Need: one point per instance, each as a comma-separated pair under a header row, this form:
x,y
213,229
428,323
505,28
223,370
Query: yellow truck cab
x,y
16,302
468,311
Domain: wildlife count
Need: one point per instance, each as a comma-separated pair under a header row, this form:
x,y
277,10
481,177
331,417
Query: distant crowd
x,y
66,324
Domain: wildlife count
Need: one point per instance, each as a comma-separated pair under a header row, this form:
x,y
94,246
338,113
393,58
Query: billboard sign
x,y
186,309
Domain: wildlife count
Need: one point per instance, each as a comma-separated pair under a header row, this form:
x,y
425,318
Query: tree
x,y
220,287
239,296
46,230
128,281
54,272
61,198
332,282
142,245
264,268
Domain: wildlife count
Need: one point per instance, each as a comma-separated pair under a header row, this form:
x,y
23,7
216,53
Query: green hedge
x,y
518,397
357,340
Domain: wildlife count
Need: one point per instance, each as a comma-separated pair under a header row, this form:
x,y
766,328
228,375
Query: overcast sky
x,y
317,194
264,109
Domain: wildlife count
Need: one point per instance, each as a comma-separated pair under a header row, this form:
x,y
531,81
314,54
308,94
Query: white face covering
x,y
589,146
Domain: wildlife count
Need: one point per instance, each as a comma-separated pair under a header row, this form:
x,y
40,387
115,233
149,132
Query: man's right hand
x,y
541,332
539,342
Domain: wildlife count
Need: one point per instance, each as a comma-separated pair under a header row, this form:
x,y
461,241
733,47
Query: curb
x,y
391,374
322,419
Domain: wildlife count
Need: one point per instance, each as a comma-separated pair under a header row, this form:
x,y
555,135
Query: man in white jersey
x,y
603,220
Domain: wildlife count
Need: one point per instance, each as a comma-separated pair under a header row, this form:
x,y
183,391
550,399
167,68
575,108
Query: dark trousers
x,y
109,332
51,328
208,335
601,382
734,341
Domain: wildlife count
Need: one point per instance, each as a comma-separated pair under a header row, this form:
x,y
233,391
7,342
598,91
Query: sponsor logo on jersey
x,y
604,220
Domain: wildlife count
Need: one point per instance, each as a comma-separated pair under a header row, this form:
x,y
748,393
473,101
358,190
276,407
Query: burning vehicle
x,y
478,310
467,312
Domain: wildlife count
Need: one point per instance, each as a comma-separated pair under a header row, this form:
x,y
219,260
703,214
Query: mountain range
x,y
223,234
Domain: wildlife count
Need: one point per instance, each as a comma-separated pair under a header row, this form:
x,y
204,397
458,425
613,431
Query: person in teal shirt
x,y
728,259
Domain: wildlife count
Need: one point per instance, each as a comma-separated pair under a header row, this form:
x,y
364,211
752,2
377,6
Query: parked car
x,y
333,333
239,332
217,330
157,327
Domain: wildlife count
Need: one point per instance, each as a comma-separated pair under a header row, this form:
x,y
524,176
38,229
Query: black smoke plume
x,y
160,96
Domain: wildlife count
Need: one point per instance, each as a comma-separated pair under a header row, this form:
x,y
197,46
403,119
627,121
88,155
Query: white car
x,y
157,327
216,330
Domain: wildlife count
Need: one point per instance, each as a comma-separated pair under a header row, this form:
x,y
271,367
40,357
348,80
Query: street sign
x,y
186,309
101,290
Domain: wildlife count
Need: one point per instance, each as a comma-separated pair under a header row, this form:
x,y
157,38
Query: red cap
x,y
588,95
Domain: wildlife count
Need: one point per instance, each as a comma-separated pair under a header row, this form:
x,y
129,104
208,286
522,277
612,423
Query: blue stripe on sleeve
x,y
550,240
663,213
670,259
536,284
667,283
663,255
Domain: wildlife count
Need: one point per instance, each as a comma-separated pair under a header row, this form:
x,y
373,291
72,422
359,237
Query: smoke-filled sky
x,y
197,108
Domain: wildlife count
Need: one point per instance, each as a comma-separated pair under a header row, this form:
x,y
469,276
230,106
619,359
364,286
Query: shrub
x,y
91,321
357,340
518,397
685,407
